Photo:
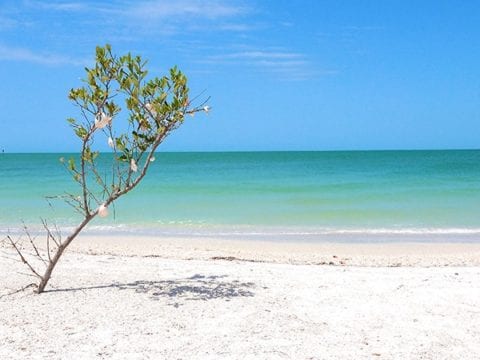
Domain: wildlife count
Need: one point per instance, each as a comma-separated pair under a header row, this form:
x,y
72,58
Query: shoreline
x,y
339,253
300,253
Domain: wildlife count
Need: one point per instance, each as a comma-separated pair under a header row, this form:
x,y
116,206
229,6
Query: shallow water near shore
x,y
309,196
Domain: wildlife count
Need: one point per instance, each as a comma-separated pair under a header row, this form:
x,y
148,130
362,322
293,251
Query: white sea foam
x,y
295,234
272,233
192,228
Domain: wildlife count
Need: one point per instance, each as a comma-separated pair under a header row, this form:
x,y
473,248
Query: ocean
x,y
339,196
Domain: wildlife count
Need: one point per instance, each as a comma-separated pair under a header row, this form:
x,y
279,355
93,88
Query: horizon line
x,y
259,151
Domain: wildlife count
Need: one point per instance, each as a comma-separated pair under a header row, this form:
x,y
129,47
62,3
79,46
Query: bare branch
x,y
31,240
19,290
23,258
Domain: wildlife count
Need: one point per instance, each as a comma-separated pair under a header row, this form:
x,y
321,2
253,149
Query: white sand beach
x,y
146,298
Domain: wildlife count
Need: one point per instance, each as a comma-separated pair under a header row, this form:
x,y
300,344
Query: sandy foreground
x,y
146,298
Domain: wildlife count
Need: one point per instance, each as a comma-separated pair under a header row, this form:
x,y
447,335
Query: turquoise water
x,y
335,196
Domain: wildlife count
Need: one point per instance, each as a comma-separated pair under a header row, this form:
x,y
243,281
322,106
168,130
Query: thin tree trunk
x,y
53,262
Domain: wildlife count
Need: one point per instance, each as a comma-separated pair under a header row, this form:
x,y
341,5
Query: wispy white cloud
x,y
59,6
259,55
363,28
172,17
176,24
163,19
234,27
286,65
153,17
150,9
22,54
210,9
290,65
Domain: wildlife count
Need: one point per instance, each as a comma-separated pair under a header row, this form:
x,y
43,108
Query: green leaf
x,y
81,132
123,158
71,164
120,144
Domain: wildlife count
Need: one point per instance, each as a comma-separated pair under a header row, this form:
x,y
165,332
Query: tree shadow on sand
x,y
196,287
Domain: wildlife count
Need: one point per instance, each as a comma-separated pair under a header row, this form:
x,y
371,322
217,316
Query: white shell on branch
x,y
133,165
102,120
103,211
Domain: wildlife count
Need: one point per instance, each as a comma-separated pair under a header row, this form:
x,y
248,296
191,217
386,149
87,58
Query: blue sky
x,y
282,75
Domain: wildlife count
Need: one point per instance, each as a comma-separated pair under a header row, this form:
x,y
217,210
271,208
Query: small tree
x,y
153,108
